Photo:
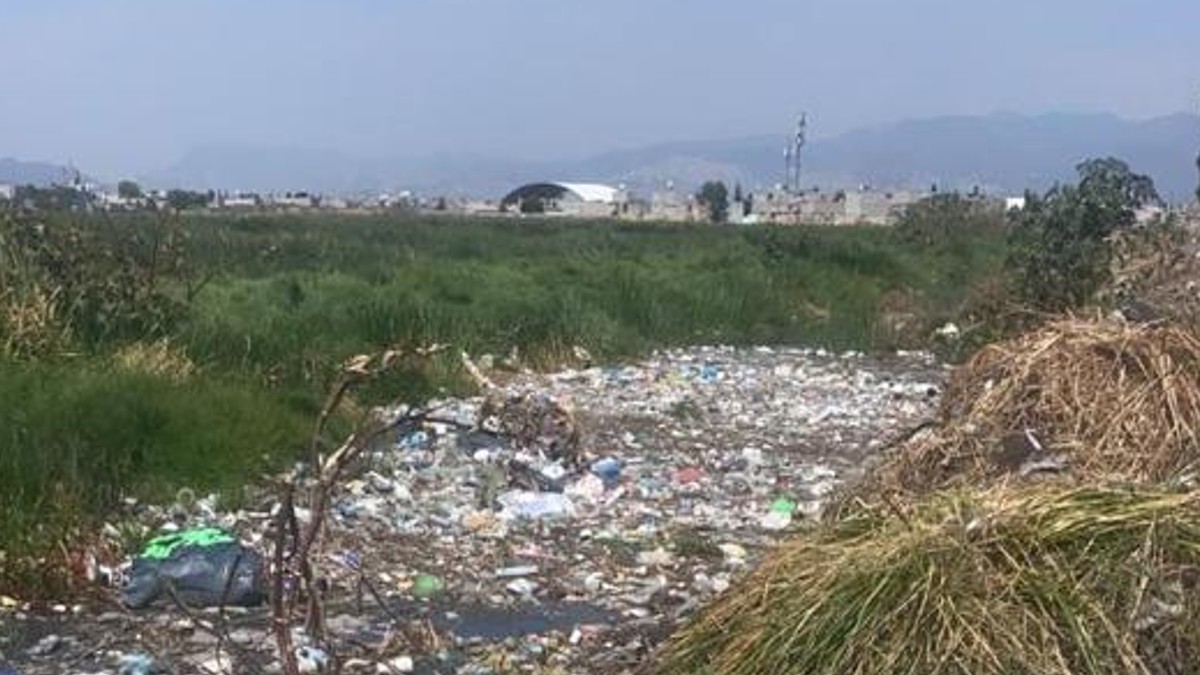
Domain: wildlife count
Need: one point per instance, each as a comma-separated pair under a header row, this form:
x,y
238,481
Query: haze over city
x,y
128,87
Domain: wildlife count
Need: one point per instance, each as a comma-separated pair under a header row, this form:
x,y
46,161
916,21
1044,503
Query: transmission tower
x,y
793,157
797,152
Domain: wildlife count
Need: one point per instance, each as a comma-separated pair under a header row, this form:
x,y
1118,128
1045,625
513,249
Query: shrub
x,y
1060,255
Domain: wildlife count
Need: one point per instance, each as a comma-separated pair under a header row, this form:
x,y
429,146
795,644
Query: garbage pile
x,y
564,523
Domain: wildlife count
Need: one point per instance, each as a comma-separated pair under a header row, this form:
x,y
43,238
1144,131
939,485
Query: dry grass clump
x,y
1036,581
160,359
1088,399
31,325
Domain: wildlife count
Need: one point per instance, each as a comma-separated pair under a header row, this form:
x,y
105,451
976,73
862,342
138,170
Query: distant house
x,y
7,192
239,200
295,200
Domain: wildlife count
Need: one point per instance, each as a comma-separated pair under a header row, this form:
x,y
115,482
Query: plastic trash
x,y
609,471
776,520
522,504
311,660
689,475
783,505
589,489
427,586
414,440
204,567
516,571
137,664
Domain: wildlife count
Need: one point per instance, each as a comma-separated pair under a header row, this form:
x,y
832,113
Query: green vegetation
x,y
139,355
128,189
714,197
1061,250
78,435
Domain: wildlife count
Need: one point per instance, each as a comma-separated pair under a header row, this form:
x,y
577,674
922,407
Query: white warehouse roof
x,y
587,192
592,192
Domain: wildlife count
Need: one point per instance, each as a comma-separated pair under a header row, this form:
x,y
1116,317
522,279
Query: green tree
x,y
181,200
942,220
714,197
128,189
1061,252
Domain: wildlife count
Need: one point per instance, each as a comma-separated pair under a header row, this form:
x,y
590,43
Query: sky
x,y
123,87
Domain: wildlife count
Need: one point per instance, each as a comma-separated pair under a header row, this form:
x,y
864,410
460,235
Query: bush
x,y
1061,253
84,284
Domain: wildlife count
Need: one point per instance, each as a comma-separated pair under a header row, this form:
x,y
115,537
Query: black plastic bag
x,y
203,568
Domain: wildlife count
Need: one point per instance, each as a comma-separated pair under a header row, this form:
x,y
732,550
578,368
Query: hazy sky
x,y
128,86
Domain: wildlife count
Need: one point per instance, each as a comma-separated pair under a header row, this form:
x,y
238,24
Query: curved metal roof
x,y
588,192
592,192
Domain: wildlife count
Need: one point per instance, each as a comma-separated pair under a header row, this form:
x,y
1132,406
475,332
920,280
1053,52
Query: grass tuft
x,y
1034,581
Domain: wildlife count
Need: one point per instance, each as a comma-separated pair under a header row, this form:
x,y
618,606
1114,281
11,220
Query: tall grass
x,y
76,437
297,292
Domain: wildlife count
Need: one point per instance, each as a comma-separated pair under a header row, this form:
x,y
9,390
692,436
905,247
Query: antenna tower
x,y
797,149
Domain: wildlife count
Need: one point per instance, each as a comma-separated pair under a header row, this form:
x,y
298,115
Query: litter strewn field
x,y
463,547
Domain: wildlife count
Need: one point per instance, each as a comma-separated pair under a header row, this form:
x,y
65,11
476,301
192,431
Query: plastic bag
x,y
205,568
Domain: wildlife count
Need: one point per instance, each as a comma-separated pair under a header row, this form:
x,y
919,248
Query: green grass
x,y
297,292
78,436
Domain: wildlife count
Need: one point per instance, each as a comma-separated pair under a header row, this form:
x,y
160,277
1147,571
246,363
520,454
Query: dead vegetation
x,y
1090,400
1032,581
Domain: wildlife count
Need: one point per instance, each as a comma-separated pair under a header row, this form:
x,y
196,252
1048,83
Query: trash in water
x,y
311,660
204,567
523,504
136,664
783,505
427,586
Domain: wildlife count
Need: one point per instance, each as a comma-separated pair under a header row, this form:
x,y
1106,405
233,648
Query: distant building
x,y
239,200
294,200
7,192
585,200
1014,203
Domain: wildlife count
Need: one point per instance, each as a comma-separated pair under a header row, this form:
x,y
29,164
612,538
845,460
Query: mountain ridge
x,y
1000,153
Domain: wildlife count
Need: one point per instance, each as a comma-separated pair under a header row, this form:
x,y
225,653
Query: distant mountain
x,y
17,172
1000,153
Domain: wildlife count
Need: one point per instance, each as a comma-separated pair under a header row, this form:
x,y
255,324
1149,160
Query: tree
x,y
181,200
737,193
946,220
1060,253
714,197
128,189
